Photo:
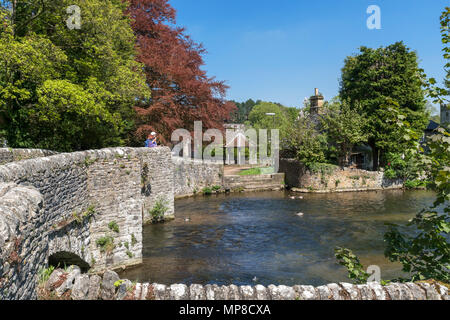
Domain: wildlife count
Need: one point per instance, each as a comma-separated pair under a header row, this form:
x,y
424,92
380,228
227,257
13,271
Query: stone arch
x,y
61,259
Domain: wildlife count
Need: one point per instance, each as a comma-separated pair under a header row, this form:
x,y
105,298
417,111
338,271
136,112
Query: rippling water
x,y
254,238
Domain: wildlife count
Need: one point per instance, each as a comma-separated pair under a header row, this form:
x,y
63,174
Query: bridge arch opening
x,y
62,259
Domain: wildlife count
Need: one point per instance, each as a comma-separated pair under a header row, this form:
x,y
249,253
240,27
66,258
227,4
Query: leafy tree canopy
x,y
240,115
344,127
282,120
377,79
181,90
66,89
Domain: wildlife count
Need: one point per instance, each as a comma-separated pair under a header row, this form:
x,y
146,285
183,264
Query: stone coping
x,y
72,285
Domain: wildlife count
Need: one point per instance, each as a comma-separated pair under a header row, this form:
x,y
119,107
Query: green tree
x,y
305,143
381,78
68,89
422,246
282,120
344,127
243,110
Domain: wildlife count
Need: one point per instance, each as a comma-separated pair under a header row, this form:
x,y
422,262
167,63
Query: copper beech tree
x,y
181,91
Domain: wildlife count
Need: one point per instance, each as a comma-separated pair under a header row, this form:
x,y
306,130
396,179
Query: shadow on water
x,y
258,237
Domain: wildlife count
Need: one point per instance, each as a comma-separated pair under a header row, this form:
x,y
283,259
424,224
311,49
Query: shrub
x,y
159,209
390,173
414,184
207,191
113,226
322,168
106,244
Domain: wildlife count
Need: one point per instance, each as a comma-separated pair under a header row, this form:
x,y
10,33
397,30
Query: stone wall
x,y
191,176
72,285
301,179
254,182
10,155
87,205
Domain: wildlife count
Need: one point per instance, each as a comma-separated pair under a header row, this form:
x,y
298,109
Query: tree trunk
x,y
345,158
375,157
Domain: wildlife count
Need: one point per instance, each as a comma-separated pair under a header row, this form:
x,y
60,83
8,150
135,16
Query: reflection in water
x,y
235,238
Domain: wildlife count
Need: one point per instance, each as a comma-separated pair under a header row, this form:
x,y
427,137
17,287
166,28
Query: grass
x,y
45,273
257,171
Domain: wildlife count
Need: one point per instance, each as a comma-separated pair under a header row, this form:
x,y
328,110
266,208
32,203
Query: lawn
x,y
256,171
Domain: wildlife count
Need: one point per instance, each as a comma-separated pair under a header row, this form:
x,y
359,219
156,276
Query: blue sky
x,y
281,50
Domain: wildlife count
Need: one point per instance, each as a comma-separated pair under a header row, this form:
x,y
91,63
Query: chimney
x,y
316,102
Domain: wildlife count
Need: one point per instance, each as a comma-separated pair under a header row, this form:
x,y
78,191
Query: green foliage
x,y
133,239
65,89
305,143
129,254
351,262
325,169
401,166
427,255
240,115
118,283
283,119
113,226
159,209
216,188
415,184
87,214
44,274
250,172
106,244
344,126
380,80
422,246
207,191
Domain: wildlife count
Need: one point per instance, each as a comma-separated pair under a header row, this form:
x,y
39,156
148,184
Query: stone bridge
x,y
85,208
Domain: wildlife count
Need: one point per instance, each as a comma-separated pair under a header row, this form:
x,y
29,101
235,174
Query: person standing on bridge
x,y
151,141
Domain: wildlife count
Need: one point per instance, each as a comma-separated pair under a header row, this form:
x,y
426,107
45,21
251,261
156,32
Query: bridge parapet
x,y
85,206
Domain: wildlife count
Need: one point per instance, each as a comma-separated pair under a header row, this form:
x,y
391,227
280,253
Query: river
x,y
258,238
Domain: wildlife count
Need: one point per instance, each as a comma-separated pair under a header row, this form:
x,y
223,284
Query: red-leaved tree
x,y
181,91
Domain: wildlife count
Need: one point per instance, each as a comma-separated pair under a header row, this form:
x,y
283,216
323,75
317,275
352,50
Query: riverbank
x,y
329,178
